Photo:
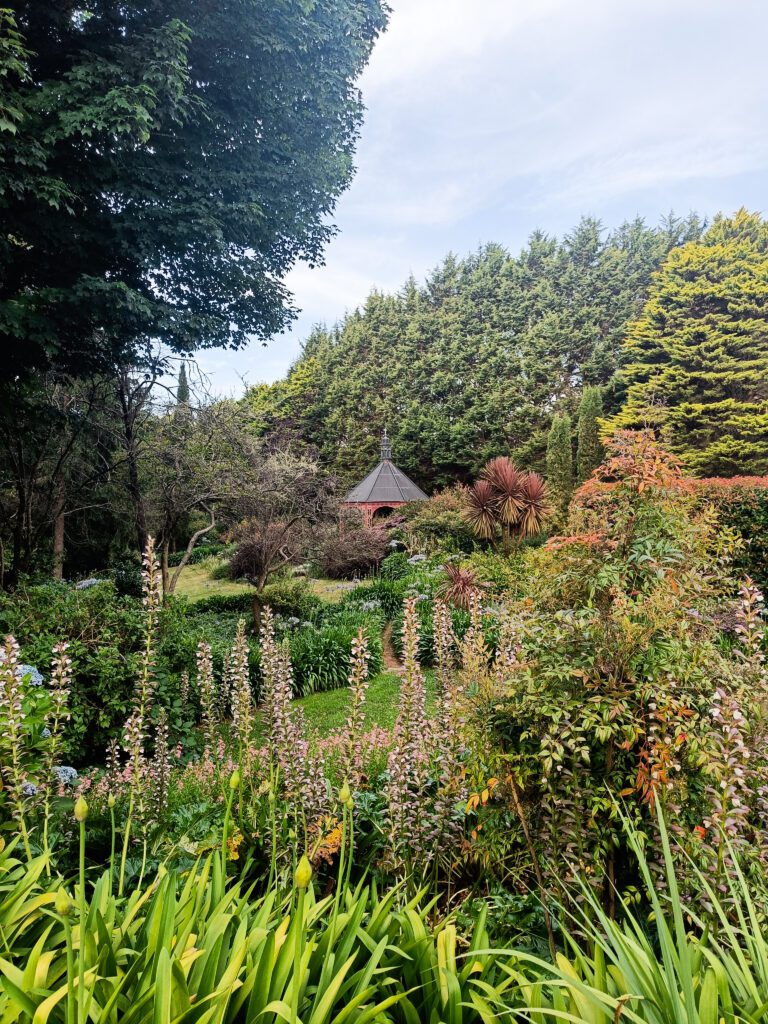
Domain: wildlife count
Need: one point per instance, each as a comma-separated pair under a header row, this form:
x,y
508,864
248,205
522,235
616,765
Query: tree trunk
x,y
134,490
164,565
58,539
169,582
20,534
130,405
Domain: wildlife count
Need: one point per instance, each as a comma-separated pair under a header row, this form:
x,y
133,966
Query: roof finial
x,y
386,447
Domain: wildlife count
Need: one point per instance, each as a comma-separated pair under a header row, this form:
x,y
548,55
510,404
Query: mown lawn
x,y
194,583
325,712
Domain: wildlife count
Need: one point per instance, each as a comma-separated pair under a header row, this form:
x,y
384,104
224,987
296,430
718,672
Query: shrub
x,y
615,674
504,575
388,594
351,552
396,566
199,554
321,657
104,633
742,504
242,604
285,597
126,575
439,524
217,568
291,597
182,631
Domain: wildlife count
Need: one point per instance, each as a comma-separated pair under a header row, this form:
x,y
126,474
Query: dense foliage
x,y
139,202
472,363
591,741
696,362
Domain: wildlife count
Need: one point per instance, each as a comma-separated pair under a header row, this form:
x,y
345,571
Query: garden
x,y
411,670
516,774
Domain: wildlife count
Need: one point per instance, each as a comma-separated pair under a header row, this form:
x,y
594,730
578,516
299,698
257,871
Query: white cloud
x,y
488,117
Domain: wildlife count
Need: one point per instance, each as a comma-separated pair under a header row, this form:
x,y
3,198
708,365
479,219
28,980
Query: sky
x,y
487,119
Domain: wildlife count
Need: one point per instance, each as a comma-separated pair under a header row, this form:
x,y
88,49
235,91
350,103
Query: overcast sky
x,y
489,118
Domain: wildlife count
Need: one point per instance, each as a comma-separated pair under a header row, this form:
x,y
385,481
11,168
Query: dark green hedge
x,y
286,597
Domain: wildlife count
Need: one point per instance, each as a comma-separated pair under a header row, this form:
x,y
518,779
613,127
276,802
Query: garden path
x,y
391,661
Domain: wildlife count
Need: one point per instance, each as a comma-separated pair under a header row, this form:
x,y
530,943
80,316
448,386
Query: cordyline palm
x,y
503,496
535,509
507,483
459,585
481,510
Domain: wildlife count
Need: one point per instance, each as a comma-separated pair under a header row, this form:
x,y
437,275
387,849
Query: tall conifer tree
x,y
560,466
590,449
696,362
182,389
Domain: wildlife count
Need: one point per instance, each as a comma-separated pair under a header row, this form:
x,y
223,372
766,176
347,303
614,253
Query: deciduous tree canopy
x,y
163,165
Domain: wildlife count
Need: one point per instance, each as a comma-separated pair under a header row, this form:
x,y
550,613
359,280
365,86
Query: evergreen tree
x,y
696,362
182,389
560,466
470,364
590,449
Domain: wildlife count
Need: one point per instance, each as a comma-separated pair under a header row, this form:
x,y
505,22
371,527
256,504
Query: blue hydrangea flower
x,y
85,584
65,774
28,789
31,675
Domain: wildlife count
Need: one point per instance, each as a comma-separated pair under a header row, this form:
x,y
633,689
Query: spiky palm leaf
x,y
507,481
482,509
460,584
535,508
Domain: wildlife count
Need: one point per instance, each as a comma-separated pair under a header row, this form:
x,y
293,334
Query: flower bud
x,y
271,796
345,793
81,809
350,804
303,875
111,800
234,779
62,904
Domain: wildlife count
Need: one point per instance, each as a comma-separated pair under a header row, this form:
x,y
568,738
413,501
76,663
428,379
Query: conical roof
x,y
386,483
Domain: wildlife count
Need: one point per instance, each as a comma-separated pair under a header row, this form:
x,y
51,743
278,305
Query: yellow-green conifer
x,y
696,362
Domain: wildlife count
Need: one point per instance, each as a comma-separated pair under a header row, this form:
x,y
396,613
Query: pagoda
x,y
385,488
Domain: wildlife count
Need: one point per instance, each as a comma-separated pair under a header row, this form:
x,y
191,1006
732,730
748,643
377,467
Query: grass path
x,y
325,712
